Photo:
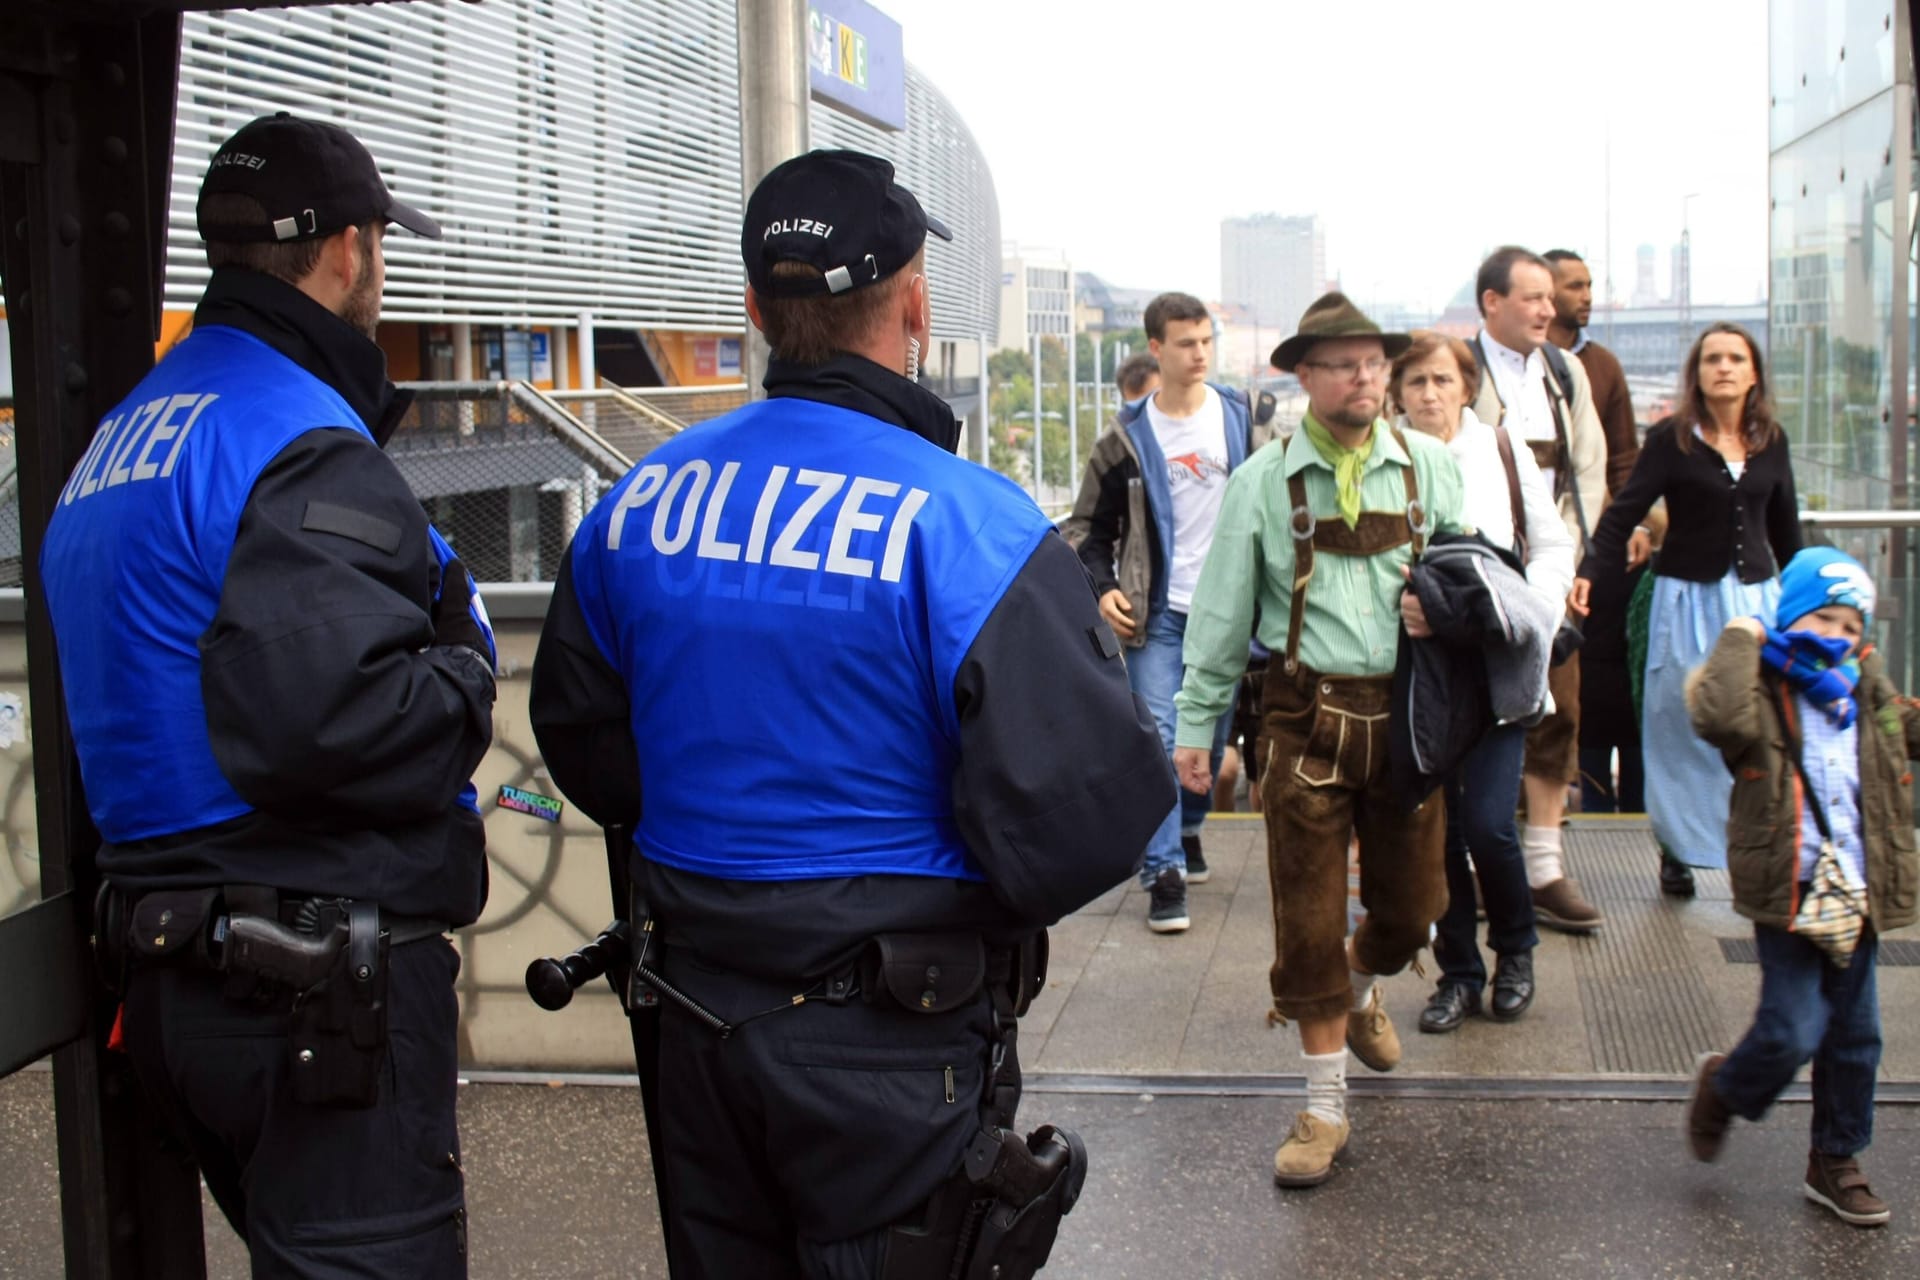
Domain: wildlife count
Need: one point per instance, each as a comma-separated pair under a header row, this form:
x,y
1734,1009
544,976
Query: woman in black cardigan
x,y
1721,464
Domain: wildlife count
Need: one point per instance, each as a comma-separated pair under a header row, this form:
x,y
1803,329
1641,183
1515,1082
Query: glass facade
x,y
1842,278
1840,79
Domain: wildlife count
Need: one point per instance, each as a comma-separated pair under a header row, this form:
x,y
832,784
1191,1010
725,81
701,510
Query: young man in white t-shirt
x,y
1149,503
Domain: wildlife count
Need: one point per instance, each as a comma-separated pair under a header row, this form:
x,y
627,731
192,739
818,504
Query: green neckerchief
x,y
1347,465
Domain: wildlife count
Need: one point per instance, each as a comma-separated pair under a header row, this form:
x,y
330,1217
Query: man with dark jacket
x,y
1607,722
280,682
906,671
1145,517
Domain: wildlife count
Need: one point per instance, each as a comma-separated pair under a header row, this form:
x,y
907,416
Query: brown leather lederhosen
x,y
1326,781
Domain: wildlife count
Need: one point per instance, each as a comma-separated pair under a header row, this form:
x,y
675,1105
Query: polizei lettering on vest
x,y
677,497
111,459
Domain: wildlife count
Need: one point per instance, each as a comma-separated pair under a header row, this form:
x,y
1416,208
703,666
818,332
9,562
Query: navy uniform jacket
x,y
869,686
241,587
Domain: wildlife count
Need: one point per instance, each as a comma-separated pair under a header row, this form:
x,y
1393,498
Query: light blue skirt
x,y
1687,782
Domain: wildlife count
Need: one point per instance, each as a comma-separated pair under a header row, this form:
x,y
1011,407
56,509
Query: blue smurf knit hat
x,y
1818,577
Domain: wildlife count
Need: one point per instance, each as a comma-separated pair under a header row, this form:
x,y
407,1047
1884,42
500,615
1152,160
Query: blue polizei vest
x,y
135,558
787,593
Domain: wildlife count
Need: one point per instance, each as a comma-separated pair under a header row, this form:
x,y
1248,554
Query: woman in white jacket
x,y
1432,384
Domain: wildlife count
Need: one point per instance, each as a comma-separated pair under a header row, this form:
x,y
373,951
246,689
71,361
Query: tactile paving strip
x,y
1646,1010
1893,951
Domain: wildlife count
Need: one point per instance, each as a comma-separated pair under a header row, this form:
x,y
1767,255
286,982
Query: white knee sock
x,y
1362,988
1541,848
1327,1085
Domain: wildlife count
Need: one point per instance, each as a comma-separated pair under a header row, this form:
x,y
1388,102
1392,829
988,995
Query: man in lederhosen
x,y
1318,539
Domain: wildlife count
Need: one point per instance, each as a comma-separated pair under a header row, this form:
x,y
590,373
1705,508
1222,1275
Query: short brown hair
x,y
1758,427
292,261
814,329
1133,373
1425,343
1496,273
1172,306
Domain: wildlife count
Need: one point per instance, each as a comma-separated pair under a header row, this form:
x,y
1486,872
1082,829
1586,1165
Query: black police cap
x,y
840,212
311,178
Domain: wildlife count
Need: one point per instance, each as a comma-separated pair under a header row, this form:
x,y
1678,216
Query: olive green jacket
x,y
1748,713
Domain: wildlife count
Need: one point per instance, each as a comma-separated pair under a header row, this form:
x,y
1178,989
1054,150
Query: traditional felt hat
x,y
1333,316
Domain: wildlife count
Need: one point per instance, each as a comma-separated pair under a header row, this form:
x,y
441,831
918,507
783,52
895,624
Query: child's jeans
x,y
1810,1009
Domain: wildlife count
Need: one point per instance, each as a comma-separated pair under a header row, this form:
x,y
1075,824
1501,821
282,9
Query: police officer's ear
x,y
753,309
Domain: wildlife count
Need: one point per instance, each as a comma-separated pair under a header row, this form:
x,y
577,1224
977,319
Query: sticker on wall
x,y
545,808
13,721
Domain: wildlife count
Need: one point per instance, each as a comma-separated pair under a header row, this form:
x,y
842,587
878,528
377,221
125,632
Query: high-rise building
x,y
1036,295
1644,292
1273,266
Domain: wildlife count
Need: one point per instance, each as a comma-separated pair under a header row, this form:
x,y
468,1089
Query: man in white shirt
x,y
1144,523
1545,401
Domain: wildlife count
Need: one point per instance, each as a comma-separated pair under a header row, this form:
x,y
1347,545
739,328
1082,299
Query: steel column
x,y
86,131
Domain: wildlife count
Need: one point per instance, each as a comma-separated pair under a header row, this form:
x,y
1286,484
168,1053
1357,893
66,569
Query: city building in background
x,y
1273,266
1036,296
1108,308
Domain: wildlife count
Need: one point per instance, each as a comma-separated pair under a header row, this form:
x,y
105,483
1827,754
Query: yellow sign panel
x,y
853,56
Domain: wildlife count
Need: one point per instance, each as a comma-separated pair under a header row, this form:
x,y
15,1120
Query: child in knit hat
x,y
1809,677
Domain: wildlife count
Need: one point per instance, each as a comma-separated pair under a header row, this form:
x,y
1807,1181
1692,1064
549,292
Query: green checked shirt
x,y
1352,625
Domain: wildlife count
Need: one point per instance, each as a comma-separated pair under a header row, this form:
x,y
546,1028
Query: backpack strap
x,y
1514,501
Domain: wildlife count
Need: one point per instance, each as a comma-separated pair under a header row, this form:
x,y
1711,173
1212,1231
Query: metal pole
x,y
773,115
1073,407
982,439
1036,417
1099,387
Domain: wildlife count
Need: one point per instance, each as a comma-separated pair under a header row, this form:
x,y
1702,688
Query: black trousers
x,y
793,1144
317,1192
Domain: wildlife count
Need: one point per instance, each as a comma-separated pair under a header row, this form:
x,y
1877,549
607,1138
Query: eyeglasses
x,y
1350,369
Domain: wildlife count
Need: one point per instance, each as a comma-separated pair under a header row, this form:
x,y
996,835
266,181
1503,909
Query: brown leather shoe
x,y
1305,1159
1836,1184
1371,1036
1561,906
1707,1116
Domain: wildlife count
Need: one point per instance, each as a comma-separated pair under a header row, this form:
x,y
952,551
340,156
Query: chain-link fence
x,y
504,472
10,566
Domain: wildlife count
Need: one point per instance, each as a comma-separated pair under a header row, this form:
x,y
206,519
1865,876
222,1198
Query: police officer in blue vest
x,y
895,672
280,681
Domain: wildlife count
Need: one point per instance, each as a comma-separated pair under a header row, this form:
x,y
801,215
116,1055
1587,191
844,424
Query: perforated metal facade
x,y
583,156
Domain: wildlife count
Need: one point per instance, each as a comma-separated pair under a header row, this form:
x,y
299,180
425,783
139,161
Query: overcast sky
x,y
1423,133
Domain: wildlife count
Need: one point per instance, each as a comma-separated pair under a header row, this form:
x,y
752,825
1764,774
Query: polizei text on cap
x,y
798,226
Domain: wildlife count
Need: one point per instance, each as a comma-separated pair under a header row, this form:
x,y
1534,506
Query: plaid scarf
x,y
1821,668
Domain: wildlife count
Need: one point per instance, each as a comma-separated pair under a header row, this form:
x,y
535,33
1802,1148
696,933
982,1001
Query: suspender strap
x,y
1417,522
1302,526
1514,501
1375,532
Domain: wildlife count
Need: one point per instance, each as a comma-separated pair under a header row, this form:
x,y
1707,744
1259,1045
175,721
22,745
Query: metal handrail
x,y
1861,519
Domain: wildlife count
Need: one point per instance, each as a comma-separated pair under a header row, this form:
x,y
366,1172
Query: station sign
x,y
856,62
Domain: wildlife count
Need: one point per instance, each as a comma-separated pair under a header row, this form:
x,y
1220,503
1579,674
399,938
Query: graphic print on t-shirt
x,y
1196,451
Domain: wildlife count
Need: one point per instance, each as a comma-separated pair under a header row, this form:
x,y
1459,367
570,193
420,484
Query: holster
x,y
337,1035
997,1218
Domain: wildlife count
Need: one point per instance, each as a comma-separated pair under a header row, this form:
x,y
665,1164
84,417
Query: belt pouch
x,y
169,923
337,1034
931,972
